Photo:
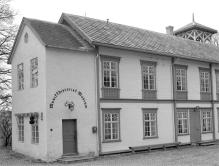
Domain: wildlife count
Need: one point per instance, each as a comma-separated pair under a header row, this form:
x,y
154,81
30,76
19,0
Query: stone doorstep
x,y
207,143
75,158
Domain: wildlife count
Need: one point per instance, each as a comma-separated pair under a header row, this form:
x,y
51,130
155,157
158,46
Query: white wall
x,y
130,80
131,125
130,77
29,99
71,69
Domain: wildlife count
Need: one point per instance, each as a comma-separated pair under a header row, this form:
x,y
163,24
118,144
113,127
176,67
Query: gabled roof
x,y
52,35
99,32
195,25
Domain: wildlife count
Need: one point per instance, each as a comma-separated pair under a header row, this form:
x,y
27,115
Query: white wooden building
x,y
89,87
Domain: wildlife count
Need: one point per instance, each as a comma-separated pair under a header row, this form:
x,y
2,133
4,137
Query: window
x,y
34,72
205,81
218,119
148,80
110,77
181,79
35,131
111,125
21,128
110,74
217,83
150,123
26,37
206,121
20,75
148,76
205,84
182,117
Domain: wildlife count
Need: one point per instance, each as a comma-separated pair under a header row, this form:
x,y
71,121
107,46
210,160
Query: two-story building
x,y
89,87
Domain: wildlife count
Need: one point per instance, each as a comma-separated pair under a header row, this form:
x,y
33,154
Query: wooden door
x,y
69,131
195,126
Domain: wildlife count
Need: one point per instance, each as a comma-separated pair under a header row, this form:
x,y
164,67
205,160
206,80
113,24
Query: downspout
x,y
98,101
212,100
174,99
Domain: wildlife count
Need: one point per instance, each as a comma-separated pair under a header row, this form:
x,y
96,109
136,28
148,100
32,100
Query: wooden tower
x,y
196,31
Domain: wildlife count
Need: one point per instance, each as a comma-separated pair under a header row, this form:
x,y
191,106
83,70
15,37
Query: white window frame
x,y
217,80
114,125
181,78
218,119
34,72
204,81
184,122
148,76
152,123
206,123
35,131
20,76
20,123
110,71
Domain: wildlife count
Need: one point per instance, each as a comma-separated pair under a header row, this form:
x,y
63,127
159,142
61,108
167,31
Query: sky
x,y
152,15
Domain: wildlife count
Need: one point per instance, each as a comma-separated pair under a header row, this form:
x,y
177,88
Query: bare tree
x,y
5,126
7,35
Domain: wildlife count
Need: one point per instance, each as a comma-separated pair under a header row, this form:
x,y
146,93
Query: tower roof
x,y
195,25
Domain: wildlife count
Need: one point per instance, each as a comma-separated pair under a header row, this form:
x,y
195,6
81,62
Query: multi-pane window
x,y
148,76
218,119
110,74
34,72
206,121
150,123
181,79
111,125
21,128
20,75
35,131
205,81
217,83
182,117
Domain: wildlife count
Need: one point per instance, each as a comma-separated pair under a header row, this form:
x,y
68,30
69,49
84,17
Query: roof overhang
x,y
157,53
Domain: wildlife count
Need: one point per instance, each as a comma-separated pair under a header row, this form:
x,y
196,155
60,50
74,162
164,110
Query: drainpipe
x,y
212,100
174,99
98,101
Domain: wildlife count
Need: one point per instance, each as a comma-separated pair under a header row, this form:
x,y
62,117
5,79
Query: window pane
x,y
180,79
205,81
34,72
148,76
110,74
150,124
206,121
111,126
182,122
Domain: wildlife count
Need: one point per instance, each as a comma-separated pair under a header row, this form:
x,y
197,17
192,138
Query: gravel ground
x,y
203,156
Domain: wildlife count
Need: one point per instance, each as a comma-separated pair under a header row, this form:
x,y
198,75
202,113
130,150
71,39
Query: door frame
x,y
76,140
199,124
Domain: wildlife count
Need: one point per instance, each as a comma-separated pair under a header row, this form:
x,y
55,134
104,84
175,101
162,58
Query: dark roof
x,y
56,35
99,32
195,25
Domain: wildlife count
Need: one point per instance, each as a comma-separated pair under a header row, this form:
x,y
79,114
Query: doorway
x,y
69,132
195,126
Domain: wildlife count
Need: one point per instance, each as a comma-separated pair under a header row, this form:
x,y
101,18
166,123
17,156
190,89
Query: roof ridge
x,y
116,23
